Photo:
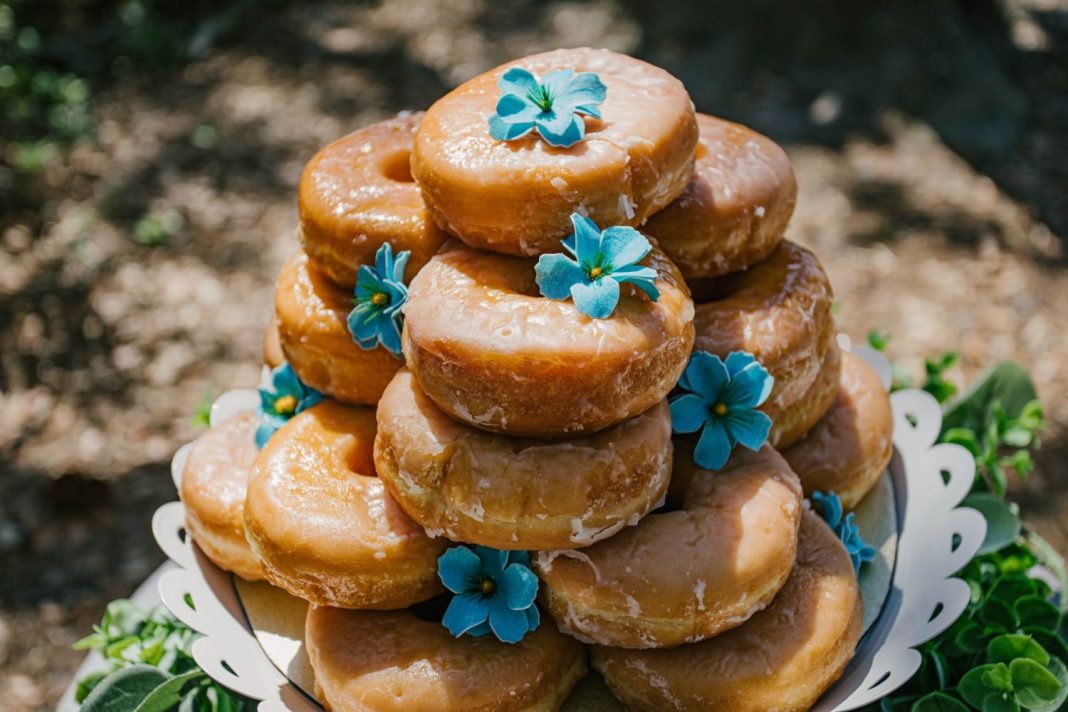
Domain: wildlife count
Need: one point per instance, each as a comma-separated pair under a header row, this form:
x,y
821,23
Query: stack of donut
x,y
516,422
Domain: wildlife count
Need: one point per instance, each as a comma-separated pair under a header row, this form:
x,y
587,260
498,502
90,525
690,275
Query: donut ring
x,y
490,351
684,575
358,193
783,658
516,197
849,448
510,493
311,312
213,488
324,525
734,211
396,662
779,311
272,345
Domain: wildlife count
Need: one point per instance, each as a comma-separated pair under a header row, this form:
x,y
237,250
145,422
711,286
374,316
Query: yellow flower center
x,y
285,405
720,409
488,586
595,273
379,299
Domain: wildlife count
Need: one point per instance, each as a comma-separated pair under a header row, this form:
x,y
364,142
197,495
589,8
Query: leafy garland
x,y
1006,653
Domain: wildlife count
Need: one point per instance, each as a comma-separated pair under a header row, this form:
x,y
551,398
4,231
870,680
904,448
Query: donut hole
x,y
398,167
432,610
713,289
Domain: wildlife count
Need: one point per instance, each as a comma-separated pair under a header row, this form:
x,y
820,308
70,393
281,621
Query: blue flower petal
x,y
748,427
714,446
688,413
624,246
644,278
459,569
555,274
585,238
533,618
398,271
504,131
574,131
368,282
264,431
311,397
553,121
749,387
480,630
515,109
557,83
585,91
509,626
517,587
492,561
285,381
596,299
517,81
465,611
519,557
830,507
389,336
738,360
706,375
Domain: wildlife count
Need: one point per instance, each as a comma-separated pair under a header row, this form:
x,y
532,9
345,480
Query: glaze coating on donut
x,y
358,193
779,311
849,448
783,658
396,662
734,211
516,197
490,351
684,575
514,493
311,312
213,489
272,345
324,525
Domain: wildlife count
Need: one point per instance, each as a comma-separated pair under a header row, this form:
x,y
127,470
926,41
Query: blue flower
x,y
380,294
554,106
494,590
286,397
722,400
830,507
602,260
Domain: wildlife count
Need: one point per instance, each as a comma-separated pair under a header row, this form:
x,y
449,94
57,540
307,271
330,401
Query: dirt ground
x,y
929,141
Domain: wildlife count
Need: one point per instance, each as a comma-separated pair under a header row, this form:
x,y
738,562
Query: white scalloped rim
x,y
936,538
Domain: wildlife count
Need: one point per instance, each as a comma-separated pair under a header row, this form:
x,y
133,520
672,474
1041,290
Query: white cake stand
x,y
253,633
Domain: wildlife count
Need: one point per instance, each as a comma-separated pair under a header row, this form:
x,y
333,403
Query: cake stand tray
x,y
253,633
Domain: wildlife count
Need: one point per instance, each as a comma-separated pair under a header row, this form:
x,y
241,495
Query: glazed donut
x,y
213,486
684,575
490,351
311,312
397,662
516,197
510,493
358,193
734,211
849,448
780,311
783,658
272,345
324,525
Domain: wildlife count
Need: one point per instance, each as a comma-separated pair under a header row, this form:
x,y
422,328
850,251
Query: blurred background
x,y
149,156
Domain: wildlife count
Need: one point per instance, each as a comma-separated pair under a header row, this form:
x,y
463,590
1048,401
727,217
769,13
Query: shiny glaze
x,y
213,490
515,197
684,575
491,352
323,523
396,662
734,211
515,493
783,658
358,193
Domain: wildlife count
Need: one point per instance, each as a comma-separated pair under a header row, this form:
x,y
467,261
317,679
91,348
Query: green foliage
x,y
202,415
151,668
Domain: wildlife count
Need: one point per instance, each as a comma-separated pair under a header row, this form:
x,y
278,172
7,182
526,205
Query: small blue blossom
x,y
553,106
380,295
495,592
286,397
723,400
830,507
599,262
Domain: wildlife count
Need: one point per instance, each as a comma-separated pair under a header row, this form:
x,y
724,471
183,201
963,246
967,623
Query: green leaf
x,y
964,437
1056,666
1006,648
1002,523
170,693
87,683
973,689
1037,611
1007,383
124,689
1000,702
998,613
998,677
878,340
938,702
971,638
1035,686
1010,587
